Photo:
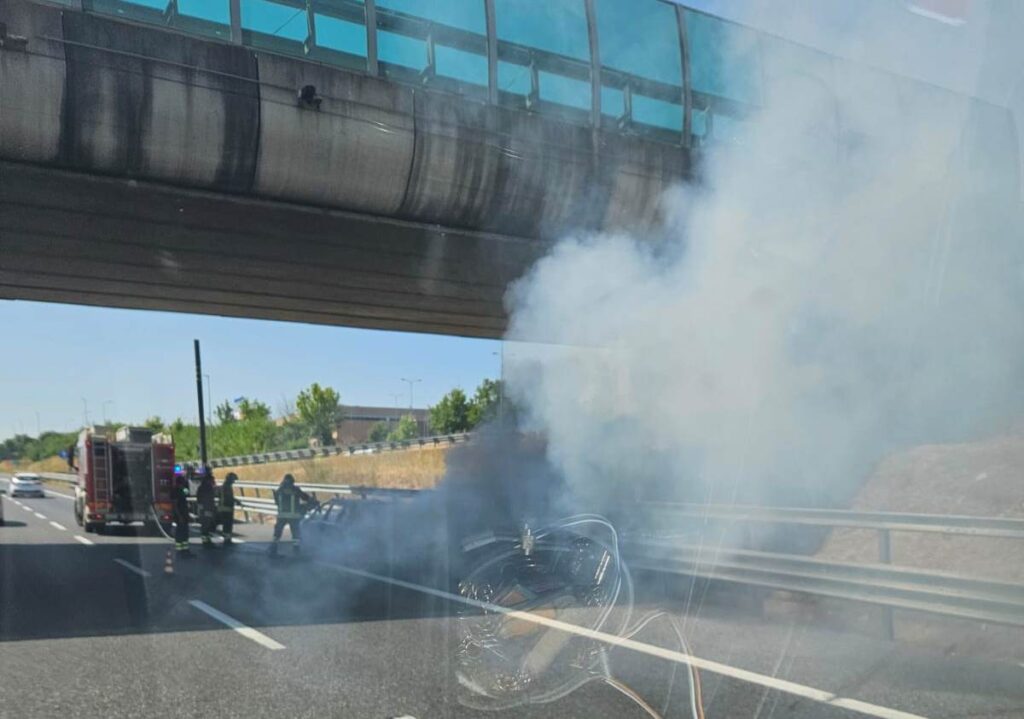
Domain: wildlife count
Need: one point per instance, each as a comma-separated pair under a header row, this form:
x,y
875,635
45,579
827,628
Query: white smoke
x,y
844,278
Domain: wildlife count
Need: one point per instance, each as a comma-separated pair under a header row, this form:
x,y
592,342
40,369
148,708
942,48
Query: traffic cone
x,y
169,562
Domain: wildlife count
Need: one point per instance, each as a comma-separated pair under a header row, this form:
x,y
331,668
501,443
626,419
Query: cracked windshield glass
x,y
450,359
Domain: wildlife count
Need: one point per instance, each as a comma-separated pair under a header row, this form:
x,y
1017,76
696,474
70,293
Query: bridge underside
x,y
88,239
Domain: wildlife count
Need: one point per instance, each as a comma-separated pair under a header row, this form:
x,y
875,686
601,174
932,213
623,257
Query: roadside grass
x,y
402,469
50,464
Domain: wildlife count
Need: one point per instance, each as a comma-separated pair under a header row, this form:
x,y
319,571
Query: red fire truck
x,y
124,476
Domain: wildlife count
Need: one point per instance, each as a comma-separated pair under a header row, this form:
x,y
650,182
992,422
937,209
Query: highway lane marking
x,y
41,516
61,527
800,690
245,631
132,568
51,493
83,540
26,508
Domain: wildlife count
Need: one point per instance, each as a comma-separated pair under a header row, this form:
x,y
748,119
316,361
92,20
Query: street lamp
x,y
85,411
209,404
411,383
104,408
396,417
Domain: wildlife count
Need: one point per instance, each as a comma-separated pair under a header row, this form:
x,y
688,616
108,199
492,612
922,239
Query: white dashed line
x,y
800,690
131,567
26,508
61,527
83,540
41,516
247,632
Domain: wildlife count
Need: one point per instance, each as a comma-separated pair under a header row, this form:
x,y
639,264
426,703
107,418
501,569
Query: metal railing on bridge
x,y
481,52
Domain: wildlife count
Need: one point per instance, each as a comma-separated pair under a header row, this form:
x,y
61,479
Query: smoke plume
x,y
842,277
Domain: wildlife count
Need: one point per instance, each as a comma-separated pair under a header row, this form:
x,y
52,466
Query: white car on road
x,y
26,485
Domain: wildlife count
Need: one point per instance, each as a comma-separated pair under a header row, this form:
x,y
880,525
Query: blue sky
x,y
140,363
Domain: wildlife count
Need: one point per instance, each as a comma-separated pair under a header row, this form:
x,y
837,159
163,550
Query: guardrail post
x,y
885,557
241,493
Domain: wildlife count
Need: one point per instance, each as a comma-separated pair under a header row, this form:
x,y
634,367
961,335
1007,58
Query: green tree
x,y
406,429
290,435
318,407
484,405
253,434
155,423
253,409
224,413
47,444
378,432
451,414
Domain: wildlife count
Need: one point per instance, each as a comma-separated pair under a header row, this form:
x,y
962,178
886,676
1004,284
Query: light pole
x,y
103,408
411,383
85,411
396,417
209,403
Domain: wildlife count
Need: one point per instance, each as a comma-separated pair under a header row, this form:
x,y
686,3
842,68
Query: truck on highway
x,y
124,476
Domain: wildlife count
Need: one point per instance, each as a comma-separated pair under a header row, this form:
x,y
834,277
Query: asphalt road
x,y
93,626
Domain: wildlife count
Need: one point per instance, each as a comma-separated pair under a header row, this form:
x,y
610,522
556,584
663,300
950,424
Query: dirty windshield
x,y
507,358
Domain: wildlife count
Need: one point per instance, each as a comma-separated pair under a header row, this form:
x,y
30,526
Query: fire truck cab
x,y
124,476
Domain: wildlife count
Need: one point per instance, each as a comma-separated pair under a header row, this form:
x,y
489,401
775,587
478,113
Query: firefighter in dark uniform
x,y
181,518
226,507
290,500
206,502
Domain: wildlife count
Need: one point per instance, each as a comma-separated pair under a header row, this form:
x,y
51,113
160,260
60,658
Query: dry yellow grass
x,y
405,469
50,464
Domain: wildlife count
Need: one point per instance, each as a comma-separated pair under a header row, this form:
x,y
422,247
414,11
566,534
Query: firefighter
x,y
206,507
226,508
181,518
289,499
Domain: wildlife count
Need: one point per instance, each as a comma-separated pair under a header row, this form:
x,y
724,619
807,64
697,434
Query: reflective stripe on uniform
x,y
291,510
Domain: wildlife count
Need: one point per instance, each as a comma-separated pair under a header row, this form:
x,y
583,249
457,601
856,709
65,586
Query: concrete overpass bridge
x,y
157,153
160,166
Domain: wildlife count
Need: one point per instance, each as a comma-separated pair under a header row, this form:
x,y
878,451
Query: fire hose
x,y
159,524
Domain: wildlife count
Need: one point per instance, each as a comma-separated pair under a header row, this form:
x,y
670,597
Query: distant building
x,y
356,422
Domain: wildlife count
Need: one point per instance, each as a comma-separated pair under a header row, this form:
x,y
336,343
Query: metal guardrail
x,y
879,584
59,476
336,450
838,583
884,521
265,505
